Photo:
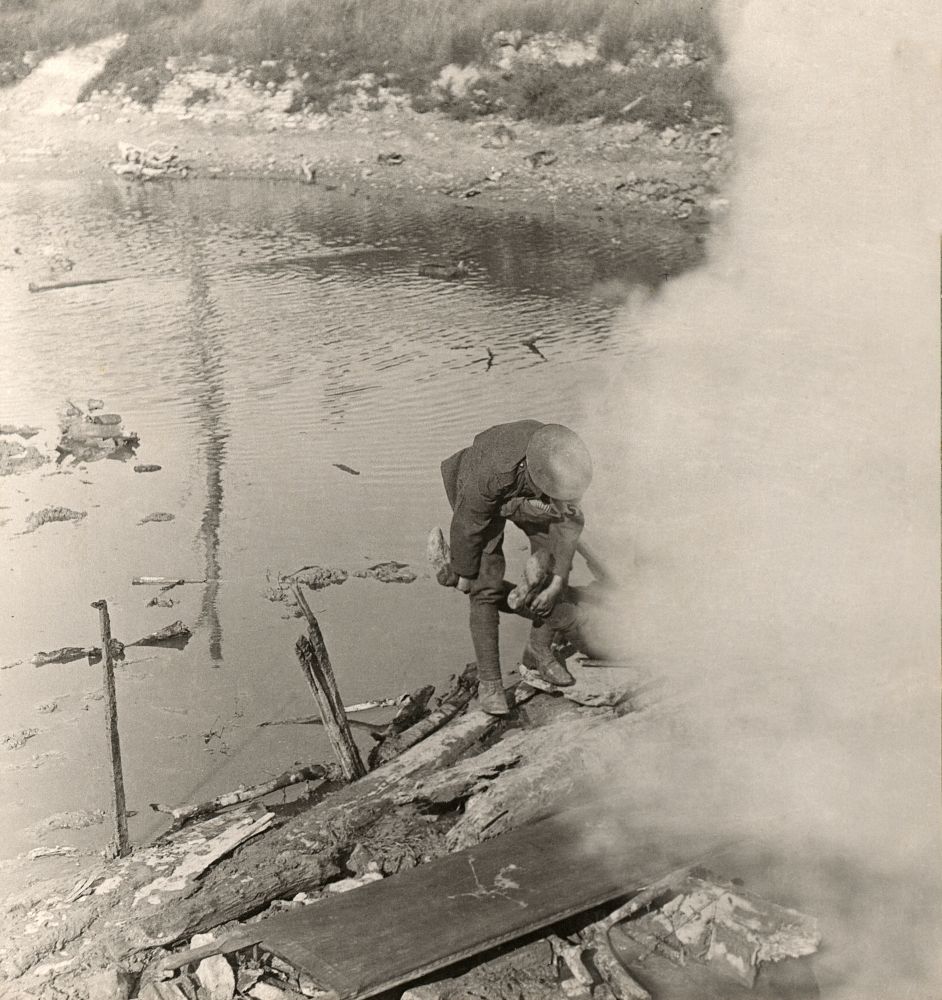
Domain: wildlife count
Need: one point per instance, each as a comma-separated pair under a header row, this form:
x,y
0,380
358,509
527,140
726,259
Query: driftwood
x,y
67,654
184,814
315,662
411,710
174,633
121,845
33,287
454,702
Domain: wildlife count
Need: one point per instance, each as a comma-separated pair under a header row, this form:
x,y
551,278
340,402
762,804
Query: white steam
x,y
770,459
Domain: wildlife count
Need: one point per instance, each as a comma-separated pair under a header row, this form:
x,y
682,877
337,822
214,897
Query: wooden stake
x,y
121,845
312,652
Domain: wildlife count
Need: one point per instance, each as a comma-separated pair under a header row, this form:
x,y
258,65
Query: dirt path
x,y
611,172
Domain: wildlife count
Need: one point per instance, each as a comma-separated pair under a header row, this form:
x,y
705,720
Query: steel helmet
x,y
559,462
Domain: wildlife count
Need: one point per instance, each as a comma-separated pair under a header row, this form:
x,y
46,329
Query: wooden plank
x,y
390,932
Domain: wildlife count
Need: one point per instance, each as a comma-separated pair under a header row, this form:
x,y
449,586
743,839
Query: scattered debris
x,y
388,572
390,159
541,158
95,404
88,438
147,468
447,272
24,432
10,666
49,515
47,707
17,458
345,468
719,924
16,739
148,164
530,344
157,516
159,601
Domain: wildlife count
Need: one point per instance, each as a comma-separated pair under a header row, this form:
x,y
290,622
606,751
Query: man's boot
x,y
538,655
485,636
492,698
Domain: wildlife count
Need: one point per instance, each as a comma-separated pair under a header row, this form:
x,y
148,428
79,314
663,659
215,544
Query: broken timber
x,y
454,702
183,814
315,662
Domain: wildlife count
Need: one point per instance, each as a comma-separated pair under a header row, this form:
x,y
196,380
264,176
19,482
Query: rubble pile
x,y
148,164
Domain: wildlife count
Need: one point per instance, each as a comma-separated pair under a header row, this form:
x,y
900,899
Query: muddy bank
x,y
573,171
120,928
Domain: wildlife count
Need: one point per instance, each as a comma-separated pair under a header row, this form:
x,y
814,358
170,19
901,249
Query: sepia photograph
x,y
470,500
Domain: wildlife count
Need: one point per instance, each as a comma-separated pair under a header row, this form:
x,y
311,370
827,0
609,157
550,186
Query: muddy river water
x,y
259,336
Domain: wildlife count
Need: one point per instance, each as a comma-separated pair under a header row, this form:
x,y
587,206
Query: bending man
x,y
533,475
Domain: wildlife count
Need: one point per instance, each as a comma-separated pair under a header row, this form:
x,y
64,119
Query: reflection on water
x,y
211,403
262,335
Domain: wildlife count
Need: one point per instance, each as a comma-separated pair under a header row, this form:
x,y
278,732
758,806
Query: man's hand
x,y
464,584
542,604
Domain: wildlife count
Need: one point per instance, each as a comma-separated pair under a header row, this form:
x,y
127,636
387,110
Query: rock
x,y
361,860
390,159
217,980
110,984
147,468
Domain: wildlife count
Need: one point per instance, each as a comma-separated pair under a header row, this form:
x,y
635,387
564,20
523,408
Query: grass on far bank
x,y
404,42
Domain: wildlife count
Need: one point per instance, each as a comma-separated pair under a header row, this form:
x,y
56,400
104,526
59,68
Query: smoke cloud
x,y
768,469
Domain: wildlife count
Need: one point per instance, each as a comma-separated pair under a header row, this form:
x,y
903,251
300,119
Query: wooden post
x,y
312,652
121,845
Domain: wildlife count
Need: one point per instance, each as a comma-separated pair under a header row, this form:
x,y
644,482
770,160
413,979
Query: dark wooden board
x,y
395,930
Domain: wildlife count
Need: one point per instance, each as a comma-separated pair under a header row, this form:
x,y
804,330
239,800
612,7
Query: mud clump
x,y
13,741
76,819
157,516
48,515
314,577
388,572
